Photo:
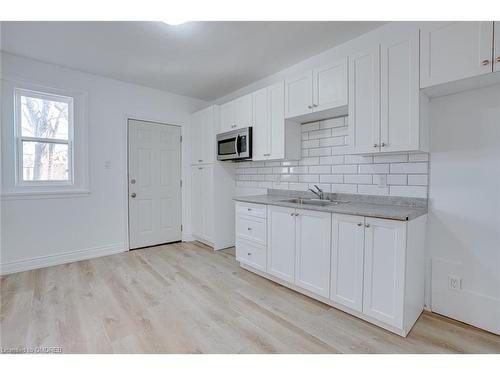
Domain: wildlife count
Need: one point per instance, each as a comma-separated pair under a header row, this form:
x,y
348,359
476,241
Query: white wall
x,y
38,232
464,193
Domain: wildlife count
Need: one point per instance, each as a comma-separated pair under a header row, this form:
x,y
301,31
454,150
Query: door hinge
x,y
181,183
181,227
181,138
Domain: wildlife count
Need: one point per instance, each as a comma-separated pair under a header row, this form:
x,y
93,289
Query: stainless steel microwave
x,y
235,145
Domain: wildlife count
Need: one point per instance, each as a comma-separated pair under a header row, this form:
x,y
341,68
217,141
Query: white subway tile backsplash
x,y
323,133
409,168
417,179
373,168
310,126
321,169
332,123
325,151
332,178
358,179
299,170
409,191
345,169
397,179
326,162
308,178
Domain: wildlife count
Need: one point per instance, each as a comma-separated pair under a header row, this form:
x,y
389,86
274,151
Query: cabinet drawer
x,y
251,228
251,253
251,209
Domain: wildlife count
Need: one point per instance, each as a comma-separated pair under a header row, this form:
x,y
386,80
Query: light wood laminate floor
x,y
184,298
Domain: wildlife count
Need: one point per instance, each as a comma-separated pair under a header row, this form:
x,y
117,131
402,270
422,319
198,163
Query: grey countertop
x,y
372,206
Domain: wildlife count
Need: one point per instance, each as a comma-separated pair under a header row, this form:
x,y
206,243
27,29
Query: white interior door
x,y
154,162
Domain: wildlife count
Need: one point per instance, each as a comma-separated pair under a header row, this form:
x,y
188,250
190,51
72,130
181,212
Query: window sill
x,y
53,194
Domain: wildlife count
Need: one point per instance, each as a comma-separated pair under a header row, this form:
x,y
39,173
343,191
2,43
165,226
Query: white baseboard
x,y
60,258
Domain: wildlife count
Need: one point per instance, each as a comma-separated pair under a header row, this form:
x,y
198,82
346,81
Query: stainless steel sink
x,y
313,202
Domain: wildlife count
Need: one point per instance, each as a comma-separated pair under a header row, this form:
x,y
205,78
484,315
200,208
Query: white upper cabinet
x,y
299,95
364,100
272,139
496,49
384,97
384,276
348,235
203,125
330,85
455,50
399,99
312,258
236,114
317,90
281,242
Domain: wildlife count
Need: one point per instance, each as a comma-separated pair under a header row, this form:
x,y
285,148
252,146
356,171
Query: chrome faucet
x,y
319,193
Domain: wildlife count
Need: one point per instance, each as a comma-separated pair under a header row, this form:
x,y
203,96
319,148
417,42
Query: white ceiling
x,y
204,60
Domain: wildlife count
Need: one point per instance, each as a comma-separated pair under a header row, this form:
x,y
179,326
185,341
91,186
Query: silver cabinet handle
x,y
249,253
296,214
315,105
360,224
375,145
498,58
267,154
132,181
199,160
133,195
292,214
382,144
309,106
200,167
249,209
249,228
367,225
485,62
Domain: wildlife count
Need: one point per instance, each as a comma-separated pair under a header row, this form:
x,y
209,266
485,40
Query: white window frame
x,y
20,139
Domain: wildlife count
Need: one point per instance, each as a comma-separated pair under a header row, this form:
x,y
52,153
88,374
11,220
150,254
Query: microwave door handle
x,y
237,145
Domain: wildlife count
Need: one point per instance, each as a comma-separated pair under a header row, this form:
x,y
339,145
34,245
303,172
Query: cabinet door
x,y
454,50
384,281
207,189
348,236
227,117
197,201
364,101
244,111
312,259
276,106
281,242
299,95
399,62
496,50
260,131
207,132
196,138
330,85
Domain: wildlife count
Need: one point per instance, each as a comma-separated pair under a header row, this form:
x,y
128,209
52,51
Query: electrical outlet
x,y
454,282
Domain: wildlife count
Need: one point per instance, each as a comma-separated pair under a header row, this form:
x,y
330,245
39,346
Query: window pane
x,y
44,118
45,161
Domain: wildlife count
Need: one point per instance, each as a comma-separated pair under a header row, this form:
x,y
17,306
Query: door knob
x,y
133,195
485,62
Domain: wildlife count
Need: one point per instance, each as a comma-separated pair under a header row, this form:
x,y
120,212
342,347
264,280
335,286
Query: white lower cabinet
x,y
372,268
281,242
348,236
384,270
312,251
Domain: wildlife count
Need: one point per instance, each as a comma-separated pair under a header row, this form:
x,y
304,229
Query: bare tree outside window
x,y
45,124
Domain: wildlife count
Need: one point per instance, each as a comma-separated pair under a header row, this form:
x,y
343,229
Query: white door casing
x,y
154,173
